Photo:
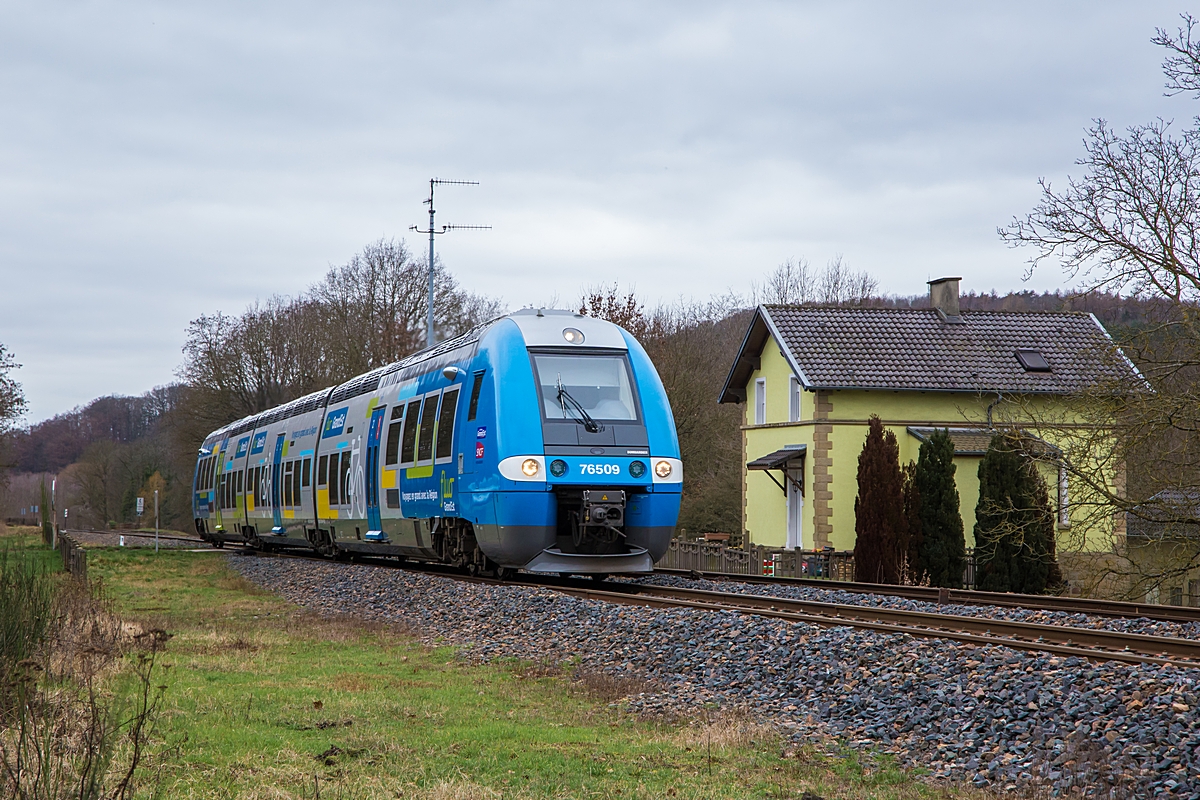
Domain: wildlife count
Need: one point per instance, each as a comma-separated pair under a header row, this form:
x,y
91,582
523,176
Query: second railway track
x,y
930,594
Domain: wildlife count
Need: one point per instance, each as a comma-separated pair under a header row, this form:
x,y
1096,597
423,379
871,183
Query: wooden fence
x,y
835,565
760,560
74,557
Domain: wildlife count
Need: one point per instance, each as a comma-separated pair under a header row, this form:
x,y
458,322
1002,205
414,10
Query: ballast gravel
x,y
990,715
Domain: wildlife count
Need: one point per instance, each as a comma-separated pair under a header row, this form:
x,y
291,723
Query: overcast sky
x,y
161,161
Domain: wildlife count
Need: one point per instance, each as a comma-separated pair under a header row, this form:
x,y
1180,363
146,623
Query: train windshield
x,y
599,384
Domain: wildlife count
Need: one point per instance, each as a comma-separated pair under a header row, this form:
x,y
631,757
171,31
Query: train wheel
x,y
504,573
472,569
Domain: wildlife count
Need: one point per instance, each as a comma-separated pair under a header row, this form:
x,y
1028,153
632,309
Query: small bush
x,y
79,700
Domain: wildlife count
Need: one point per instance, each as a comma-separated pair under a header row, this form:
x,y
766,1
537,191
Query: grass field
x,y
265,700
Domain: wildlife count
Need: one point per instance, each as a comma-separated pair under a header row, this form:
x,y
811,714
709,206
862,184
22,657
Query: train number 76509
x,y
600,469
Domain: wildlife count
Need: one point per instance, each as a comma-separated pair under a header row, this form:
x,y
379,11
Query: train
x,y
541,441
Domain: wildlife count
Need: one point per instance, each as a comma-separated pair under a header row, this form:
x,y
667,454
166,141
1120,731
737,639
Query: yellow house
x,y
811,376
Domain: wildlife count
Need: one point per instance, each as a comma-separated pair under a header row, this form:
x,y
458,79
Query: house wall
x,y
844,414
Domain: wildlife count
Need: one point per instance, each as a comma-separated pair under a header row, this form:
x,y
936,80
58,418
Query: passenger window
x,y
393,498
296,482
393,443
428,418
239,483
476,387
445,428
322,470
287,483
345,477
408,448
335,496
307,470
397,410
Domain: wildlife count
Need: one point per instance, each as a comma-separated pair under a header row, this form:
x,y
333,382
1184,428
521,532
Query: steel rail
x,y
932,594
138,534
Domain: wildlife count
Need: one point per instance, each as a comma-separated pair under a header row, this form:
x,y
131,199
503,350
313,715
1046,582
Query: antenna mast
x,y
432,232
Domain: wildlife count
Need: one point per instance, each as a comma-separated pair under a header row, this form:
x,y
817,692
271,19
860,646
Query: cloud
x,y
159,161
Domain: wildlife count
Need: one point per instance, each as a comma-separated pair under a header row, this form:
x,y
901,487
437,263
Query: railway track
x,y
1097,645
1103,645
1090,643
968,597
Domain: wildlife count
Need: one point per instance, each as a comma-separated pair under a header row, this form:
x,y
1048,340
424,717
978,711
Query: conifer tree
x,y
910,549
1014,524
879,507
943,549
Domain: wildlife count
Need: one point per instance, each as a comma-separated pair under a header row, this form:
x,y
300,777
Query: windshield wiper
x,y
579,413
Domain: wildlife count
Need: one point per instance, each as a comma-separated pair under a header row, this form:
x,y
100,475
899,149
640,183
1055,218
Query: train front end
x,y
590,453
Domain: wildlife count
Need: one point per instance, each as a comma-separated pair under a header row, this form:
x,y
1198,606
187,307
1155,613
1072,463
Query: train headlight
x,y
637,469
573,335
663,469
558,468
530,467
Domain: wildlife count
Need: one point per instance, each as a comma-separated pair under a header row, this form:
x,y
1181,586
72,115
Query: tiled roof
x,y
916,349
966,441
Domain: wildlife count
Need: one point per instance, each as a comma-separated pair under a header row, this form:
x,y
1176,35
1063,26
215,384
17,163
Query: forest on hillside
x,y
370,311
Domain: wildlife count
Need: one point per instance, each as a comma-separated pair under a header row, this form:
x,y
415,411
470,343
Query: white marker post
x,y
156,520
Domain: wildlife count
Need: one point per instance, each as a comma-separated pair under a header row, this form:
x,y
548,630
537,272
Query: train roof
x,y
540,327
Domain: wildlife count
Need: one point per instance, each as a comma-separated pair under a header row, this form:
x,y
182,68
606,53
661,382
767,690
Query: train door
x,y
276,484
219,486
374,523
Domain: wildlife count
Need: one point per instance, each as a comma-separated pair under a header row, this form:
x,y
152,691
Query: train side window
x,y
335,497
306,472
345,478
397,411
445,427
393,442
428,418
393,498
476,388
258,498
322,470
240,486
296,482
408,447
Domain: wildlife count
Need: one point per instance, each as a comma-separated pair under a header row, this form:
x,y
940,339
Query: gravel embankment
x,y
990,715
1148,627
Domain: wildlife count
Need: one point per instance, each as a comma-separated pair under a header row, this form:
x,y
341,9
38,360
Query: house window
x,y
760,401
793,399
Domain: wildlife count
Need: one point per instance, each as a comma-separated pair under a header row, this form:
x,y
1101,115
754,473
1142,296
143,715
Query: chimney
x,y
943,296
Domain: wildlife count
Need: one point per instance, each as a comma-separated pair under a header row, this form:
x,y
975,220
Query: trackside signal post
x,y
432,232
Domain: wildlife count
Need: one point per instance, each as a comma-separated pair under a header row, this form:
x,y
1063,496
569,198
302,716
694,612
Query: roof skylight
x,y
1032,360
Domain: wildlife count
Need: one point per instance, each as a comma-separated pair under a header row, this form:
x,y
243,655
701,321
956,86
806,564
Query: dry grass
x,y
459,790
608,688
725,730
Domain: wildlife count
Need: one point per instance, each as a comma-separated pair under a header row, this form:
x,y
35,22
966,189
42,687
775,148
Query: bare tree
x,y
794,282
1130,224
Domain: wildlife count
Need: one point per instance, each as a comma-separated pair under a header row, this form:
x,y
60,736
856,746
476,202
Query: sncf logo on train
x,y
335,422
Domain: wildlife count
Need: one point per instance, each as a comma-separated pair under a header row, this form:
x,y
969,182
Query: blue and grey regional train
x,y
542,441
